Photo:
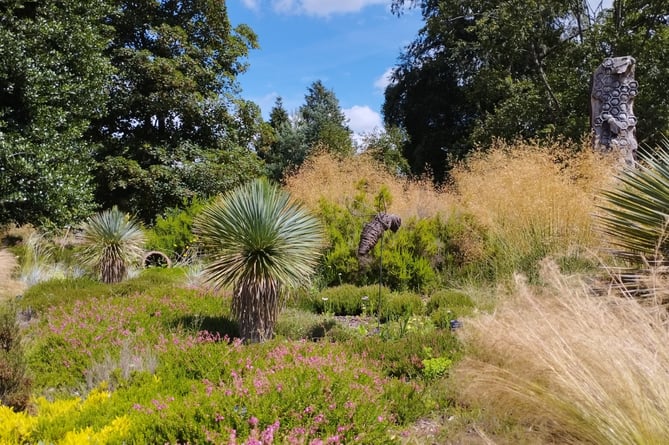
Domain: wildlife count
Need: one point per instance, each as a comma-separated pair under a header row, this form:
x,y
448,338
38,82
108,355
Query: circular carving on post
x,y
156,258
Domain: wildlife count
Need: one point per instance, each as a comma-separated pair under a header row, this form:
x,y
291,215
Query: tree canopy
x,y
174,126
481,69
318,124
52,79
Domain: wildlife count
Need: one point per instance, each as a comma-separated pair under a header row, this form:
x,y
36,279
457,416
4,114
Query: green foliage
x,y
319,124
174,126
296,324
112,242
403,357
51,85
260,242
635,218
324,121
346,299
172,232
15,386
386,148
402,305
436,367
415,258
517,69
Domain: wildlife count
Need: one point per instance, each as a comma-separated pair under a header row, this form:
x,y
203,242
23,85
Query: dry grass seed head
x,y
581,367
324,176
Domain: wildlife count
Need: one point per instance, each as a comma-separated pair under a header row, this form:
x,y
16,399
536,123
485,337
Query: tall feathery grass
x,y
535,200
324,176
577,367
9,286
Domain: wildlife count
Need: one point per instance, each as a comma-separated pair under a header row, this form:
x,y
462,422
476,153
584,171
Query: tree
x,y
261,242
52,79
288,148
385,147
323,121
173,108
515,69
112,241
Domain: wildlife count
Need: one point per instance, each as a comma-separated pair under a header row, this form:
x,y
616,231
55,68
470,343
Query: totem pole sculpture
x,y
612,108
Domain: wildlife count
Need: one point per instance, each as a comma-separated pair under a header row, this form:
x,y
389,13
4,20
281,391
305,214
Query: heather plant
x,y
575,366
111,243
260,242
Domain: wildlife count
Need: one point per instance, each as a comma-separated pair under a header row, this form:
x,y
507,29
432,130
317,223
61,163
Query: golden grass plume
x,y
324,176
9,287
548,190
580,368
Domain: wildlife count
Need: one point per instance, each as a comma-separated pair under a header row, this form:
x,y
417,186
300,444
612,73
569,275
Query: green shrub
x,y
436,367
15,386
403,357
172,232
346,299
296,324
401,305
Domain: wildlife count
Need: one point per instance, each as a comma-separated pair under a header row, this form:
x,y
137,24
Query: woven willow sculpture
x,y
373,231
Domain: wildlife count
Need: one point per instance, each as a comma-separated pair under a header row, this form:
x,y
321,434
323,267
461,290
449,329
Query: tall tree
x,y
514,69
324,121
174,109
52,79
288,149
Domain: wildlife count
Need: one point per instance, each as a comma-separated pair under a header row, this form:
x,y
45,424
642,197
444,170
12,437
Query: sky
x,y
349,45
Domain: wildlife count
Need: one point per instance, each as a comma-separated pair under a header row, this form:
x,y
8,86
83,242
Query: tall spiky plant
x,y
111,241
260,242
636,212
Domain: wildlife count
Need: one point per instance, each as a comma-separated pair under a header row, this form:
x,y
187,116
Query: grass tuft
x,y
579,368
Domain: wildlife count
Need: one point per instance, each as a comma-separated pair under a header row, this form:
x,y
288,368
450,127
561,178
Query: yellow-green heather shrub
x,y
22,427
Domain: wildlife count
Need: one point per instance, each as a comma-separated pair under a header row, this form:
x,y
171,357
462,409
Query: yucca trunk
x,y
255,305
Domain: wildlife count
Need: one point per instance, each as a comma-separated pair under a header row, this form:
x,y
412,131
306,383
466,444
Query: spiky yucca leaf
x,y
259,241
111,243
636,213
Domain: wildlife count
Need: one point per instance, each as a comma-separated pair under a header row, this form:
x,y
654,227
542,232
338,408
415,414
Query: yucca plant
x,y
111,241
261,242
636,213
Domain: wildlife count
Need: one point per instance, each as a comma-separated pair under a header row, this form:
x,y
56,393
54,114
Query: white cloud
x,y
362,119
382,82
322,8
251,4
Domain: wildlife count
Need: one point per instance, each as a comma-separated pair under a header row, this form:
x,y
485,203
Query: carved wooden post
x,y
612,107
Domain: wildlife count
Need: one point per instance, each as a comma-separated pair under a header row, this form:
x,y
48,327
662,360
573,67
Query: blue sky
x,y
350,45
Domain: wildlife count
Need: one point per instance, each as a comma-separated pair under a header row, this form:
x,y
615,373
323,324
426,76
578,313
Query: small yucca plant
x,y
636,213
261,242
112,242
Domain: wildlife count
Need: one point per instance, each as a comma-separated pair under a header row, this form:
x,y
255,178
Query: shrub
x,y
172,232
346,299
15,386
297,324
403,357
401,305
